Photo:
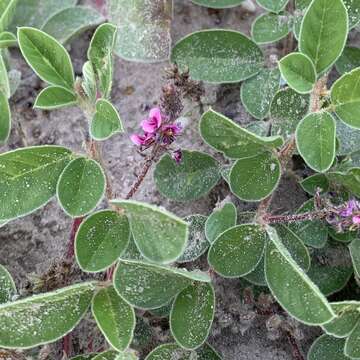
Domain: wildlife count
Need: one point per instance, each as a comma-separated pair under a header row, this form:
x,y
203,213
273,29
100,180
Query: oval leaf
x,y
192,315
314,182
55,97
160,236
257,93
190,180
101,239
106,121
46,56
255,178
81,187
7,286
238,250
115,318
71,22
326,347
218,56
291,287
235,142
298,71
345,96
28,178
316,140
352,349
150,286
268,28
43,318
5,118
324,32
220,220
7,39
197,243
170,352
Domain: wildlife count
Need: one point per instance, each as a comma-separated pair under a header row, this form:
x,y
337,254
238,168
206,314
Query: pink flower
x,y
356,219
351,206
169,132
141,140
153,123
177,156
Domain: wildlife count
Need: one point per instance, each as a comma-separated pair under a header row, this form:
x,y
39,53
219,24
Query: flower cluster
x,y
346,217
157,130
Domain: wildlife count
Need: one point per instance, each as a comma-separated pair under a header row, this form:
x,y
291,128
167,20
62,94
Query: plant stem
x,y
286,219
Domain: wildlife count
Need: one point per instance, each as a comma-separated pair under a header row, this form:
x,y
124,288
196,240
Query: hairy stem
x,y
286,219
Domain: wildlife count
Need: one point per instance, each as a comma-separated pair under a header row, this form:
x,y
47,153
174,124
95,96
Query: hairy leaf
x,y
326,347
7,286
115,318
5,118
255,178
81,187
46,56
273,5
352,349
4,79
149,286
43,318
218,56
350,180
354,248
101,239
7,39
160,236
55,97
314,182
349,60
170,352
7,11
190,180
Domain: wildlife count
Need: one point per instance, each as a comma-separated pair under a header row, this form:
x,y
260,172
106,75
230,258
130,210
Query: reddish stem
x,y
71,245
296,352
67,345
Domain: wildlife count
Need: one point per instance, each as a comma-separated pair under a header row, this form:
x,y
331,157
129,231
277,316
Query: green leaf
x,y
197,243
350,180
4,79
352,348
101,240
35,13
47,57
347,317
345,96
14,80
149,286
300,9
190,180
238,250
298,71
5,119
100,54
354,249
106,355
43,318
257,93
192,315
269,27
257,276
89,81
81,187
218,4
206,352
159,235
287,109
255,178
353,9
162,312
106,121
218,56
349,60
170,352
28,178
348,138
226,136
144,26
7,286
55,97
326,347
273,5
312,233
324,32
330,279
131,252
316,140
127,355
115,318
7,39
71,22
344,237
220,220
84,357
7,11
291,287
314,182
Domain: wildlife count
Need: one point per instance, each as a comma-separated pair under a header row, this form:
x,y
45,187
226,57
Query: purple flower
x,y
351,206
177,156
141,140
153,123
169,132
356,219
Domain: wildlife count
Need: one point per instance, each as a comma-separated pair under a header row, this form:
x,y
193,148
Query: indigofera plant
x,y
136,254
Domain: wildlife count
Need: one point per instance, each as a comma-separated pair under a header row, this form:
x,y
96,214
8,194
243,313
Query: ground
x,y
31,244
